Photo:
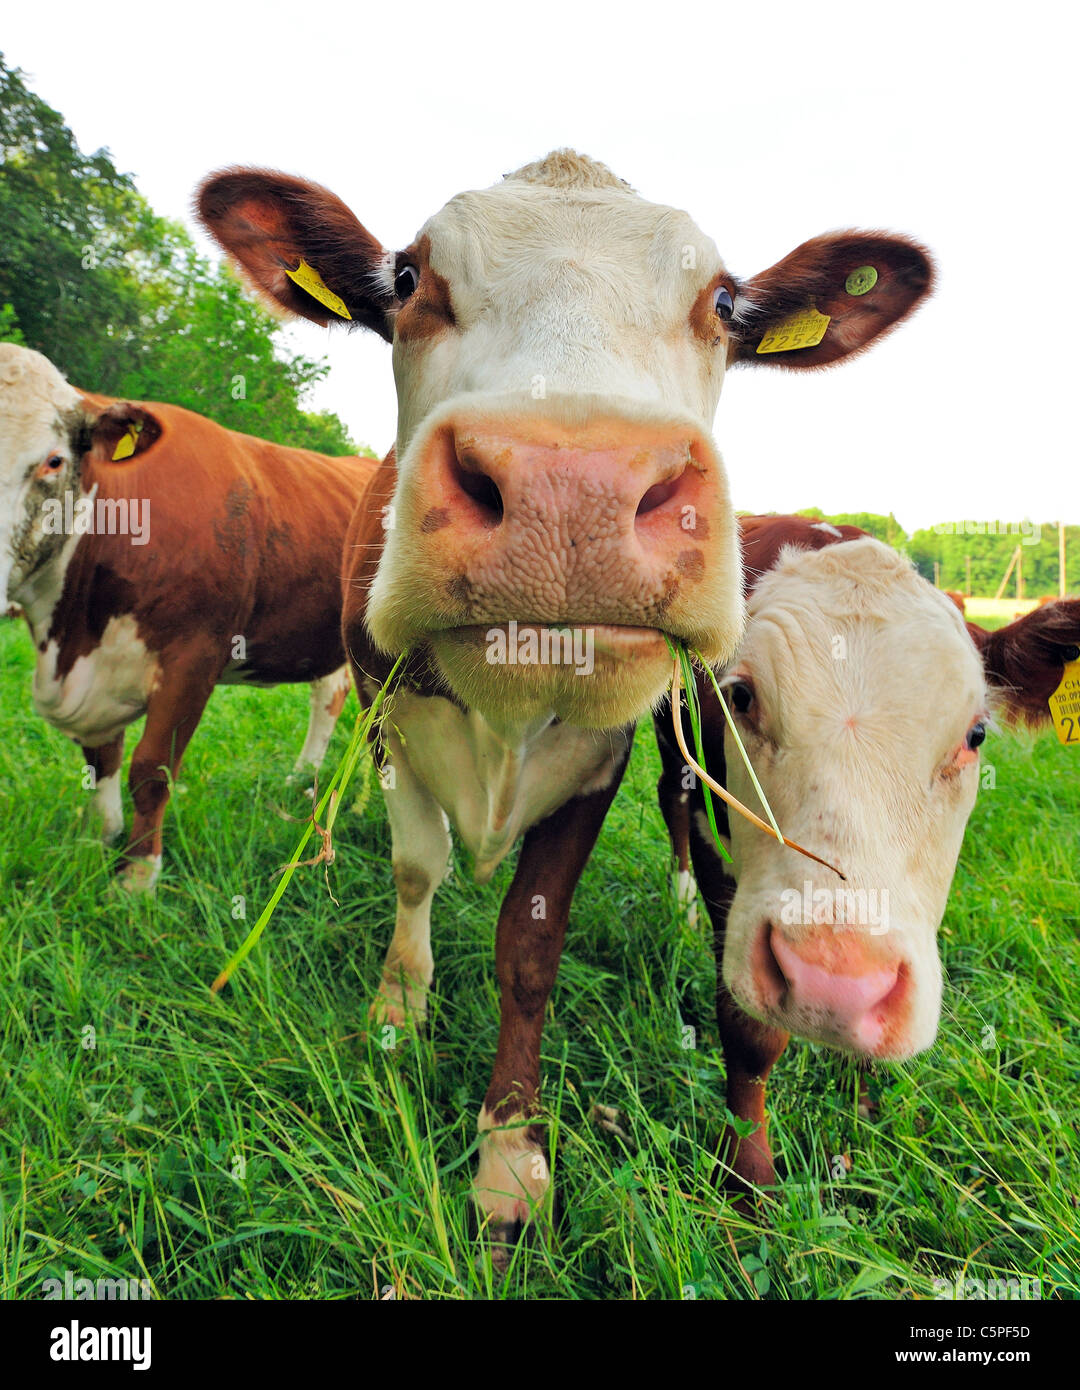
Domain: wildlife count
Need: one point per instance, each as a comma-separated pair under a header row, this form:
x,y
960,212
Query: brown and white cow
x,y
862,698
198,556
559,345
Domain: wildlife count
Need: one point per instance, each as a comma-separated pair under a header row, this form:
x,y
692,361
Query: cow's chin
x,y
597,677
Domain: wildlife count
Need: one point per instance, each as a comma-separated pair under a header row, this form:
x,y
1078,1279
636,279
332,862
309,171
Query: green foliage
x,y
990,556
120,299
988,543
267,1143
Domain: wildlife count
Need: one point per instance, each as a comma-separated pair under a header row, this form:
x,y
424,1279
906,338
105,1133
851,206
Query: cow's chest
x,y
105,689
494,786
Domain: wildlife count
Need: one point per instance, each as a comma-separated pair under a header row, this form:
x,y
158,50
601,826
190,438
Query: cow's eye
x,y
742,697
976,735
723,304
406,281
53,463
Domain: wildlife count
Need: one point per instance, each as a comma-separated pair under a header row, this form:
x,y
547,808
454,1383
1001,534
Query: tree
x,y
119,299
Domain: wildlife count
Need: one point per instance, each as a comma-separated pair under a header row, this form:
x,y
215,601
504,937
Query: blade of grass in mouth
x,y
682,678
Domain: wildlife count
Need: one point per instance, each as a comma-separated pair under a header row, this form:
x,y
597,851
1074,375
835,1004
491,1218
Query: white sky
x,y
769,121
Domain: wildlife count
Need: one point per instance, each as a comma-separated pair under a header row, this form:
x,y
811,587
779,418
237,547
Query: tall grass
x,y
262,1143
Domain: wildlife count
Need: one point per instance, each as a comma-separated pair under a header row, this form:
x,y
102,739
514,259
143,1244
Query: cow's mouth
x,y
597,675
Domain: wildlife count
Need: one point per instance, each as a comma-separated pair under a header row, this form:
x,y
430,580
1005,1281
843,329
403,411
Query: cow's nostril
x,y
657,495
771,980
479,486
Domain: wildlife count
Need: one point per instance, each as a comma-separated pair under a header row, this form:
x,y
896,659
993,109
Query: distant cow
x,y
157,555
862,698
554,506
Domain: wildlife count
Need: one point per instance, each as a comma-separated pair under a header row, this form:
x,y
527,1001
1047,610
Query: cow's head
x,y
49,432
559,349
862,701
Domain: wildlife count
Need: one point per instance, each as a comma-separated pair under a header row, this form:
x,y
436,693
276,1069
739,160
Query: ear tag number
x,y
804,329
125,445
1065,706
309,279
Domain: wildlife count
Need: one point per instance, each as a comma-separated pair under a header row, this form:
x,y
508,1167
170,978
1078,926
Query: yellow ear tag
x,y
804,329
308,278
125,445
1065,706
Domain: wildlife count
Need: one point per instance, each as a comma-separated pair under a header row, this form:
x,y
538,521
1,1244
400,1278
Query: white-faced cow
x,y
862,698
155,555
555,505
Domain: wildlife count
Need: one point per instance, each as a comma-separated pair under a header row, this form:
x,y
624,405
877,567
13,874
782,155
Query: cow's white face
x,y
39,413
861,700
559,348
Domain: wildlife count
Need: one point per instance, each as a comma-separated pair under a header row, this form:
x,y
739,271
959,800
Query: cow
x,y
862,698
155,555
554,508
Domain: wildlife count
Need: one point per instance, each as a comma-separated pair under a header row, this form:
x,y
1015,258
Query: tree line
x,y
973,555
120,299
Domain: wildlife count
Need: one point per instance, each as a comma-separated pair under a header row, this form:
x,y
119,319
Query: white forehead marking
x,y
566,226
829,530
32,394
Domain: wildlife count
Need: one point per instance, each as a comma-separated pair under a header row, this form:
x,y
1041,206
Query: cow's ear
x,y
1025,660
831,298
121,431
301,246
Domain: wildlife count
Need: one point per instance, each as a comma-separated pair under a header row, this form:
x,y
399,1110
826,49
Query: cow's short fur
x,y
864,684
234,576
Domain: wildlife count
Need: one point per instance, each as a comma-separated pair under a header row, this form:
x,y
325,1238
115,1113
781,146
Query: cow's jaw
x,y
858,766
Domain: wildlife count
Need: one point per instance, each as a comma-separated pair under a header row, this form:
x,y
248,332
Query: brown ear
x,y
120,432
1025,660
270,222
866,282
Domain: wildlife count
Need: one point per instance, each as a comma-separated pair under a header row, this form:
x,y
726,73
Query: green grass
x,y
260,1144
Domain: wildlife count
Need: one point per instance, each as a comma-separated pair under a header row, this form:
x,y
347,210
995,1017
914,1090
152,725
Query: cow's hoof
x,y
512,1179
111,830
500,1241
140,875
398,1006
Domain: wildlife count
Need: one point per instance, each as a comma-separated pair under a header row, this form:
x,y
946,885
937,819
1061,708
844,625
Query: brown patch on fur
x,y
435,518
428,311
691,563
705,322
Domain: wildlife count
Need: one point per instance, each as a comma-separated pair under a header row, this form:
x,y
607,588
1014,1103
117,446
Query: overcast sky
x,y
768,121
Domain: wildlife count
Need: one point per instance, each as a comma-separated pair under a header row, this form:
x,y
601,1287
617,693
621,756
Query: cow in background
x,y
862,698
555,505
155,555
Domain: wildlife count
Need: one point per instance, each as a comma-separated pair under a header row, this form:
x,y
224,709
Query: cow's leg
x,y
328,696
420,838
106,805
172,713
512,1176
673,793
750,1048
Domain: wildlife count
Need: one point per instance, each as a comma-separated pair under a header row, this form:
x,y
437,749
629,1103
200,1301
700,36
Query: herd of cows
x,y
559,345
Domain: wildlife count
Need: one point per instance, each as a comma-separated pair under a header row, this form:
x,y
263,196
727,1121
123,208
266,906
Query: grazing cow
x,y
862,698
157,555
555,504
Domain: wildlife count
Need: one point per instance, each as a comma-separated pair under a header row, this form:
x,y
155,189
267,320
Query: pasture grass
x,y
264,1144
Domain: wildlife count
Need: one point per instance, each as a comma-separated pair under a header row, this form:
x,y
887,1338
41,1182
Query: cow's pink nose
x,y
833,978
614,487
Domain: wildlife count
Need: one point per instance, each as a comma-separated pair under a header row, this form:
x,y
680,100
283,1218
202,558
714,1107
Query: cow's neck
x,y
40,591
